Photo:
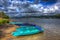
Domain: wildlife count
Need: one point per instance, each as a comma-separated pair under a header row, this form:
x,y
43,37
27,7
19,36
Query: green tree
x,y
3,15
3,18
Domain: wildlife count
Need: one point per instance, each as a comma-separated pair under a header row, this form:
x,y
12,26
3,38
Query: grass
x,y
3,21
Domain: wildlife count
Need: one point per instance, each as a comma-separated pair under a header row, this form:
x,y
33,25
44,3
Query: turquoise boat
x,y
26,29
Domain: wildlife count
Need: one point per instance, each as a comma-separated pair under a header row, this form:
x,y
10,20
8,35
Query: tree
x,y
3,15
3,18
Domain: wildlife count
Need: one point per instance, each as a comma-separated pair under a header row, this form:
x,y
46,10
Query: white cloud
x,y
27,6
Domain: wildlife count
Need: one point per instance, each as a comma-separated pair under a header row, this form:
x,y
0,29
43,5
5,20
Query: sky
x,y
29,7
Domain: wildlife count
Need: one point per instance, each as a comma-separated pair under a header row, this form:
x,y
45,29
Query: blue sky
x,y
29,7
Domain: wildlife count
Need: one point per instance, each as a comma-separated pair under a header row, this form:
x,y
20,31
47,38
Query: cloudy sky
x,y
30,6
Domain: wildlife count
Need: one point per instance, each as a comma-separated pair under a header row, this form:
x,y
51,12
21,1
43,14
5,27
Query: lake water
x,y
51,26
